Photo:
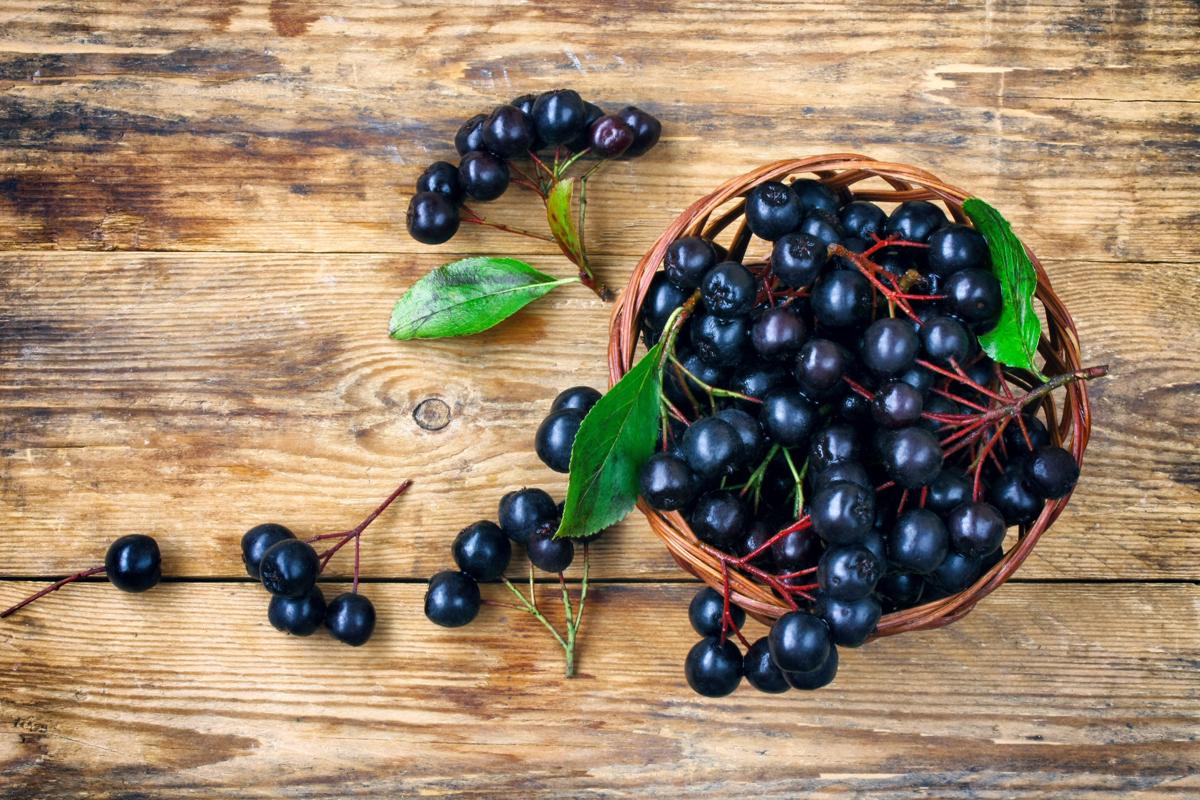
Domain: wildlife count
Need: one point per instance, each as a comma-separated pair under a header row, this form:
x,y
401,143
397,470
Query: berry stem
x,y
54,587
712,391
475,219
532,609
569,648
357,531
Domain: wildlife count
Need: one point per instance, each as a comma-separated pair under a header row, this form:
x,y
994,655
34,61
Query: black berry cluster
x,y
836,433
559,121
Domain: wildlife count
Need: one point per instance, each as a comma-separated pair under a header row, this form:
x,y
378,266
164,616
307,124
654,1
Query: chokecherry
x,y
728,290
441,177
688,260
711,447
919,541
646,130
350,619
777,333
851,622
799,642
299,616
848,572
889,346
706,612
956,247
772,210
555,438
912,457
577,398
713,668
1052,472
976,528
290,568
719,519
257,540
483,176
842,299
482,550
818,678
787,416
559,116
452,599
760,669
547,553
843,512
667,482
431,218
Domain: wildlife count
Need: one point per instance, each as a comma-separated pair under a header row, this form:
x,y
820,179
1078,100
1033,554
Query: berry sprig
x,y
288,568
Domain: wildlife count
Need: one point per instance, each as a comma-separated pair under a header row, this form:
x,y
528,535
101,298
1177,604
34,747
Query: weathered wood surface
x,y
251,162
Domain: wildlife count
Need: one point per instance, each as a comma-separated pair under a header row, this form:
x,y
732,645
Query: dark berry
x,y
755,537
507,132
797,551
897,405
875,542
719,519
797,259
133,563
915,220
815,196
524,511
525,103
662,298
1051,473
441,177
470,135
912,457
956,247
818,678
609,136
900,589
748,430
976,529
1014,500
257,540
831,445
350,618
547,553
974,295
757,379
851,622
822,226
577,398
853,408
760,669
706,613
711,447
799,642
289,567
777,333
772,209
728,290
919,378
851,471
559,116
688,260
956,572
675,380
848,572
1015,443
720,342
299,616
555,437
948,491
482,551
646,130
944,338
788,417
889,346
820,365
842,299
843,512
713,668
863,220
431,218
667,482
452,599
583,139
483,176
918,542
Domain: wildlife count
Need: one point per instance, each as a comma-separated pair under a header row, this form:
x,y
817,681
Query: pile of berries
x,y
835,432
489,146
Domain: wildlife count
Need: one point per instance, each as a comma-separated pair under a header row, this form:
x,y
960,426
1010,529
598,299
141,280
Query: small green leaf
x,y
562,223
1014,340
615,440
468,296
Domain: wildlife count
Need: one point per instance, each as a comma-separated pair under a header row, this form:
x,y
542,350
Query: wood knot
x,y
432,414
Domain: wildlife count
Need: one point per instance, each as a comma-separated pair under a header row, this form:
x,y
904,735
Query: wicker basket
x,y
711,216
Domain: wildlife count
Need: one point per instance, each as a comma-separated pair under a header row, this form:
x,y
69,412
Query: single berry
x,y
441,177
919,378
974,295
853,408
1014,500
1052,472
525,103
577,398
863,220
797,259
897,405
646,130
753,540
822,226
851,471
843,512
452,599
350,618
976,529
815,679
915,221
728,290
524,511
483,176
760,669
919,541
711,447
1015,443
482,551
799,642
555,438
719,341
944,338
559,116
777,333
662,298
842,299
299,616
470,135
547,553
667,482
788,417
957,247
610,136
756,380
431,218
719,519
507,132
912,457
713,668
900,589
257,540
688,260
796,551
674,381
851,622
948,491
833,444
820,365
706,613
848,572
889,346
815,196
133,563
289,567
956,572
748,430
772,209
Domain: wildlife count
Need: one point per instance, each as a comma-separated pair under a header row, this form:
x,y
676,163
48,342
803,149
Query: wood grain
x,y
1090,689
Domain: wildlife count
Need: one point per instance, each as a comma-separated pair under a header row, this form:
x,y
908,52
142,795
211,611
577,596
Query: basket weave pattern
x,y
710,216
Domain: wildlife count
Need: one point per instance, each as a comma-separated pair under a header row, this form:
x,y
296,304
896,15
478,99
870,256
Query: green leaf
x,y
1014,340
468,296
562,223
615,440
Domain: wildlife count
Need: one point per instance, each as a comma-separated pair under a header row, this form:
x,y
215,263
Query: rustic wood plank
x,y
187,692
195,395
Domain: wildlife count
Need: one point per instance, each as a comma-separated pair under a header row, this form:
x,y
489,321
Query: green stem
x,y
533,610
569,647
798,477
755,480
712,391
561,169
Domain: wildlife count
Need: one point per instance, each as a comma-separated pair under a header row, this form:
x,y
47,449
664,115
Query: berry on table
x,y
482,550
299,616
470,135
646,130
441,177
483,176
559,116
524,511
577,398
452,599
290,568
350,619
610,136
431,218
799,642
760,669
555,438
547,553
713,668
257,540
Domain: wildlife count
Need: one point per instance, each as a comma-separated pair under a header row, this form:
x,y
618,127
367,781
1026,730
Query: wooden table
x,y
201,212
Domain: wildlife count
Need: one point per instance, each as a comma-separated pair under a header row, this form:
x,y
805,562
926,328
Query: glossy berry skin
x,y
863,220
815,196
482,550
848,572
441,177
948,491
289,568
853,408
976,529
1014,500
851,622
755,536
788,417
748,430
711,447
818,678
507,132
719,519
431,218
889,346
777,333
350,618
713,668
915,220
525,103
721,342
728,290
973,295
547,553
646,130
688,260
842,299
558,116
609,136
919,378
945,338
706,612
257,540
900,589
299,616
833,444
772,210
667,482
820,366
919,541
843,512
1051,473
674,381
133,563
583,139
897,405
452,599
483,176
760,669
662,298
757,379
577,398
1015,443
524,511
797,259
912,457
956,572
851,471
957,247
555,437
822,226
796,551
799,642
470,135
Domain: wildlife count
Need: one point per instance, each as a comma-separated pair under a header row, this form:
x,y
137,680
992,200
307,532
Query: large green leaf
x,y
468,296
1014,340
615,440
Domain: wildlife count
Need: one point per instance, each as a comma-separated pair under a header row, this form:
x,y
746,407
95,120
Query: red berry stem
x,y
356,532
54,587
473,218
